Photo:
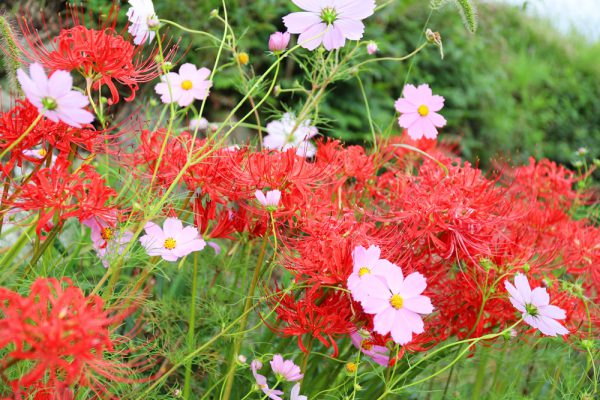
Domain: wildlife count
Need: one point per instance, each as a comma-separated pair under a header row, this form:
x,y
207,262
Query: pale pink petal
x,y
514,293
310,5
172,227
551,311
187,72
413,320
418,304
60,83
414,284
401,331
404,106
355,9
437,120
522,285
540,297
334,38
384,321
312,37
374,305
300,22
394,279
408,120
350,29
436,103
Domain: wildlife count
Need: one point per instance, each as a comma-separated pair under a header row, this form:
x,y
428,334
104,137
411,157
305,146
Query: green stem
x,y
244,321
23,136
191,329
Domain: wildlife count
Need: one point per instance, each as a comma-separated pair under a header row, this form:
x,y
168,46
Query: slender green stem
x,y
23,136
191,329
247,306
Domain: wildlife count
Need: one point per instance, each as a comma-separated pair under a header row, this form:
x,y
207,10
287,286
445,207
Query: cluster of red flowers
x,y
59,337
465,231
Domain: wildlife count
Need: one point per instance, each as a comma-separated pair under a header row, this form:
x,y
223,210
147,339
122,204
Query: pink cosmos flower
x,y
397,304
372,48
362,341
419,107
261,381
295,393
329,22
173,241
53,97
535,306
367,266
38,153
143,19
107,241
279,41
288,133
270,201
379,354
184,87
285,369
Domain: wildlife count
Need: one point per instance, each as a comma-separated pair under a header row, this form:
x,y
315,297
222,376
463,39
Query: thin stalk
x,y
191,329
244,321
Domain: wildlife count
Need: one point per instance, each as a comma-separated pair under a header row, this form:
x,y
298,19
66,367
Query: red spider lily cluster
x,y
428,211
61,337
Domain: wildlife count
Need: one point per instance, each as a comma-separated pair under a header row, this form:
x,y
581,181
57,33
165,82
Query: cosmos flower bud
x,y
372,48
279,41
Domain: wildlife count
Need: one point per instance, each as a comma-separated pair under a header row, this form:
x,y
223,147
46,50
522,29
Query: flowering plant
x,y
151,252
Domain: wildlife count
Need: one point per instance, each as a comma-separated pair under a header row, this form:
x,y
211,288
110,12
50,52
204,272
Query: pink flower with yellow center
x,y
186,86
367,266
173,241
535,306
419,108
397,304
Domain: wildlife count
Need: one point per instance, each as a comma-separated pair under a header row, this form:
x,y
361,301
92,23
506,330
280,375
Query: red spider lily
x,y
101,56
60,336
319,314
59,195
46,133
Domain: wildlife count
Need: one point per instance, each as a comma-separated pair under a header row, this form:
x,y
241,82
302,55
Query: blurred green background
x,y
517,87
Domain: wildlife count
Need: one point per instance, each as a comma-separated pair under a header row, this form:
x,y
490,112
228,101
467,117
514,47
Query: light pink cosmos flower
x,y
288,133
397,304
279,41
285,369
270,201
367,266
173,241
107,241
38,154
186,86
53,97
261,381
535,306
143,20
379,354
419,107
329,22
295,393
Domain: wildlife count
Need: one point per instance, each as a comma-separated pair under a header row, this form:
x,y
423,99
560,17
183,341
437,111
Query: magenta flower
x,y
107,241
53,97
367,266
419,107
173,241
289,133
379,354
329,22
285,369
261,381
270,201
279,41
535,306
143,20
186,86
397,304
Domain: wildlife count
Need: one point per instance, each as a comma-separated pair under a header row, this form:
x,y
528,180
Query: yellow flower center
x,y
107,233
397,301
423,110
351,367
364,271
186,85
366,345
170,243
42,152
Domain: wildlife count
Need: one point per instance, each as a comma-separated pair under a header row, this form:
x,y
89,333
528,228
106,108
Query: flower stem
x,y
191,329
243,322
23,136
